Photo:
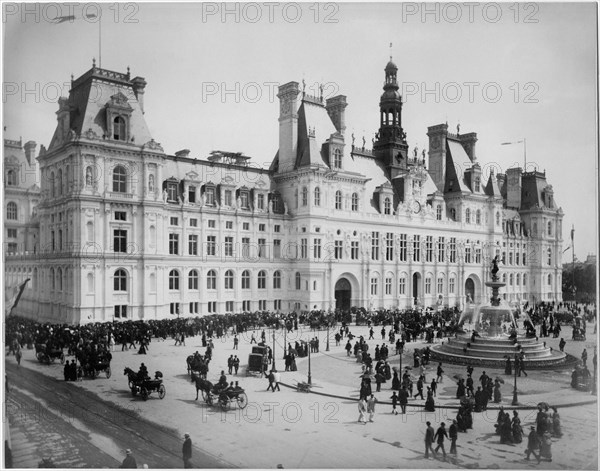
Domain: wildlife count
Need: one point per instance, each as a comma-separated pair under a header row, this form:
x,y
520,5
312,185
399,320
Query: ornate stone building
x,y
127,231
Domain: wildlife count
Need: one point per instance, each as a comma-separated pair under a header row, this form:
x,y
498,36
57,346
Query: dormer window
x,y
244,200
209,195
172,191
11,178
260,201
476,185
337,158
387,206
119,129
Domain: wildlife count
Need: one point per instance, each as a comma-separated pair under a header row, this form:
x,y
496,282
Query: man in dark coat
x,y
440,434
187,451
129,461
429,436
453,434
403,399
533,443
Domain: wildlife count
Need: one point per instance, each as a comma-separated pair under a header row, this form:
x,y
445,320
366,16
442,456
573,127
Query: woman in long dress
x,y
546,446
497,393
508,366
556,428
517,430
395,382
429,402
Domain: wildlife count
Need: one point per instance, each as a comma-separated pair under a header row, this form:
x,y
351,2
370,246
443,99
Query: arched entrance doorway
x,y
416,287
469,291
343,294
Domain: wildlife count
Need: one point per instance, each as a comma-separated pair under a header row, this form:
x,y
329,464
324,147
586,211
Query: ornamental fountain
x,y
495,336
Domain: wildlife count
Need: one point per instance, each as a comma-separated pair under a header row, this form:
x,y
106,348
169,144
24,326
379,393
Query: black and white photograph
x,y
300,235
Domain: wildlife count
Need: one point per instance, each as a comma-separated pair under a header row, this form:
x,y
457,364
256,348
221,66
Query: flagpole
x,y
100,41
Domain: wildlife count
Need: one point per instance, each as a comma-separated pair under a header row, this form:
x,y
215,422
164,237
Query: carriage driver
x,y
143,372
222,384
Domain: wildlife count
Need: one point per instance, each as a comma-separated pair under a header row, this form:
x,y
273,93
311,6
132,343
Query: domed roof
x,y
391,94
391,67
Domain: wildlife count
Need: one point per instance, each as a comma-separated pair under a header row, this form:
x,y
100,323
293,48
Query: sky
x,y
509,72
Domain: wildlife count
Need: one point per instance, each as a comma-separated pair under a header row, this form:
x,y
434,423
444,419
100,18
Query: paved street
x,y
270,430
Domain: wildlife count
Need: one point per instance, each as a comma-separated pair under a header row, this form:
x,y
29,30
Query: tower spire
x,y
390,52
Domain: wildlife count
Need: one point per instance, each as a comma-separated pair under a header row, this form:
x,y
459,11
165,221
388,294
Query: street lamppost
x,y
328,322
274,349
515,400
309,376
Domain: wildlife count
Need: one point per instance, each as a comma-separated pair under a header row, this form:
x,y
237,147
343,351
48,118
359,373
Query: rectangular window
x,y
227,198
261,227
440,285
174,221
510,258
228,306
429,248
452,249
277,304
354,250
441,250
193,222
276,228
244,200
524,259
304,248
260,202
402,286
517,258
427,285
451,284
209,196
193,244
120,216
211,245
192,199
246,305
246,226
417,248
245,247
375,246
121,312
172,192
229,246
212,307
477,255
276,248
317,249
467,254
338,249
262,305
120,240
388,286
12,233
403,247
262,248
174,308
174,244
373,286
389,247
193,308
228,224
212,223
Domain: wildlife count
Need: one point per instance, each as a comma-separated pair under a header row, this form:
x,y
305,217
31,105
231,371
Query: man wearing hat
x,y
129,461
533,443
187,451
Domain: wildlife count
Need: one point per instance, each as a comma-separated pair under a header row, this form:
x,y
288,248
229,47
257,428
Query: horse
x,y
132,376
197,364
202,384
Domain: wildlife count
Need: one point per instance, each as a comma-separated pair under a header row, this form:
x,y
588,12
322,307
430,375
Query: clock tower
x,y
390,144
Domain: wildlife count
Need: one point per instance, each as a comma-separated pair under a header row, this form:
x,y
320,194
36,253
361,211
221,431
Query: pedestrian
x,y
429,436
522,365
18,356
129,461
584,356
533,443
394,399
440,373
277,377
453,435
403,399
230,364
434,387
562,344
556,428
362,409
187,451
235,342
419,388
371,407
271,378
440,434
546,446
236,364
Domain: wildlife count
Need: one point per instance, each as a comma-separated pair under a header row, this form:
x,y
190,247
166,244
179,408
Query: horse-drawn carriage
x,y
257,360
225,397
145,386
198,364
47,354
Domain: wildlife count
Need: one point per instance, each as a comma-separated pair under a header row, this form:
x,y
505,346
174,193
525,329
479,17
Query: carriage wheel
x,y
162,391
108,372
40,356
62,358
225,402
144,393
242,400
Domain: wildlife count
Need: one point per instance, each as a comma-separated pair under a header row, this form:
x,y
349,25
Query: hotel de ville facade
x,y
113,228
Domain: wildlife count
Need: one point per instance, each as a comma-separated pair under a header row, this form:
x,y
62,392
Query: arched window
x,y
90,231
120,280
438,212
262,279
90,282
497,218
298,280
468,216
304,196
338,199
478,217
11,211
337,158
229,279
277,280
119,130
119,179
174,279
518,280
59,279
52,185
11,178
245,279
67,179
59,183
549,256
317,196
354,201
387,206
52,279
524,279
193,280
211,280
510,279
